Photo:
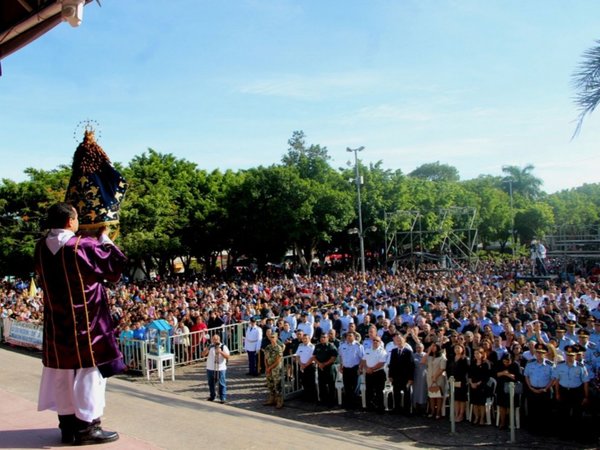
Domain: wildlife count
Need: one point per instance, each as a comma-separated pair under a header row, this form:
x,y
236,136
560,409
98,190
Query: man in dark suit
x,y
401,370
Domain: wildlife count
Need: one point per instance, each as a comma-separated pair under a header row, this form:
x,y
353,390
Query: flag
x,y
32,288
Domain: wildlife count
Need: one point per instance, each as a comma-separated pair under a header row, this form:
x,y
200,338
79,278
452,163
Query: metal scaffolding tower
x,y
454,236
577,242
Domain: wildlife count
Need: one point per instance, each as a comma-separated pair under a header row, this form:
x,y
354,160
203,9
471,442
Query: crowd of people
x,y
413,329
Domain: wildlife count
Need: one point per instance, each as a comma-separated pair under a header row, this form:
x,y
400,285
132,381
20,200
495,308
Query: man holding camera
x,y
537,251
216,368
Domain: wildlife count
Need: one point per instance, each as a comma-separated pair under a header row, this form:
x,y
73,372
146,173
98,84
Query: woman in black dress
x,y
488,352
458,367
508,370
479,374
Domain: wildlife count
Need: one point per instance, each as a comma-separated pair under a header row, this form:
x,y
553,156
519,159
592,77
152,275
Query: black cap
x,y
579,348
570,350
539,347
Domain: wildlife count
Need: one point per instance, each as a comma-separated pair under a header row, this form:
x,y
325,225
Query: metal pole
x,y
511,395
512,218
452,418
360,225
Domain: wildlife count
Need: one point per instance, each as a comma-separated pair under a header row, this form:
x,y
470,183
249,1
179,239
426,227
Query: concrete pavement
x,y
151,418
175,415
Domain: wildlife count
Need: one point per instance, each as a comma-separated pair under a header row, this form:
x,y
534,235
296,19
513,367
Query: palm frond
x,y
586,81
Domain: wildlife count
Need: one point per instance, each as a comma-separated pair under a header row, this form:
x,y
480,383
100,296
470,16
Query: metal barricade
x,y
187,348
290,379
452,387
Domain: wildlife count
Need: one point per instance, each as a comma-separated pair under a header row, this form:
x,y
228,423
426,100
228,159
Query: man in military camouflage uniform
x,y
274,364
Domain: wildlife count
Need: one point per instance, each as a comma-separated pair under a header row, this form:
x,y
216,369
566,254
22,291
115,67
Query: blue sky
x,y
474,84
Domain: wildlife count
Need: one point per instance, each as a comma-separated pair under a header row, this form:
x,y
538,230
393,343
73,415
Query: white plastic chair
x,y
517,413
362,387
388,390
517,416
489,401
339,386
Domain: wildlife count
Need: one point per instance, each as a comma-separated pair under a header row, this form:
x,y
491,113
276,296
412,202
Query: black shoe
x,y
210,399
94,435
67,437
222,402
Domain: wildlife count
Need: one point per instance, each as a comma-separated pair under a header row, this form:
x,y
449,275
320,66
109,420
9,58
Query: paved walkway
x,y
175,415
150,418
248,393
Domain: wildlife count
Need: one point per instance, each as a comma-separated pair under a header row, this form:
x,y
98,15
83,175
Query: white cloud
x,y
391,112
315,87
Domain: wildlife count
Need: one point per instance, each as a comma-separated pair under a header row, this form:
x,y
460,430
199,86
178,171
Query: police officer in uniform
x,y
372,365
324,356
538,376
252,344
351,354
571,330
304,355
562,339
595,334
571,391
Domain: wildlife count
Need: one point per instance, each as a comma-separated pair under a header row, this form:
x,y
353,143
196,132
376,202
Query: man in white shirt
x,y
305,325
326,323
216,368
252,343
290,318
372,366
351,355
304,355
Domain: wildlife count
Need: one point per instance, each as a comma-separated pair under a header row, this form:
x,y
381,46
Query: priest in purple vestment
x,y
80,349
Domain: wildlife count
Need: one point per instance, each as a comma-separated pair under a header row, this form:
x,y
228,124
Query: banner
x,y
24,334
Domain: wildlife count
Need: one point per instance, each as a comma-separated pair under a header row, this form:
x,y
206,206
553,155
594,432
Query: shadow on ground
x,y
249,393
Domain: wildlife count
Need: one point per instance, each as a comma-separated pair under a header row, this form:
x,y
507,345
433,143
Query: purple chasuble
x,y
78,328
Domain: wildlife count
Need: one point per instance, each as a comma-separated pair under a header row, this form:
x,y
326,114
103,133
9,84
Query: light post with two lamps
x,y
360,233
510,180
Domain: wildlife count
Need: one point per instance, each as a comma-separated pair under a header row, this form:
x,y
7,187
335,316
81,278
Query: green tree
x,y
311,162
23,205
157,209
572,208
327,205
534,221
436,172
493,207
523,181
264,209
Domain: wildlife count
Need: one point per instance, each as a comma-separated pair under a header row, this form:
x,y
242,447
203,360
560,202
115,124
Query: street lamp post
x,y
360,225
509,180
